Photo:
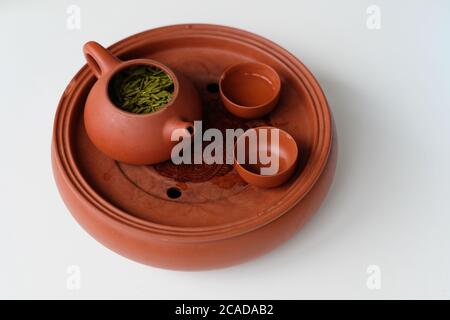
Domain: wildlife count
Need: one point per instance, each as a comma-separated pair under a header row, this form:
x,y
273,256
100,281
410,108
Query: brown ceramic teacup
x,y
249,90
256,152
140,139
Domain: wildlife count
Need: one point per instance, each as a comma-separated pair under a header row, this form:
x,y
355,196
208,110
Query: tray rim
x,y
65,162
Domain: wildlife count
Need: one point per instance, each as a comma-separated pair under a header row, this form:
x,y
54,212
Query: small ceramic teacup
x,y
265,157
249,90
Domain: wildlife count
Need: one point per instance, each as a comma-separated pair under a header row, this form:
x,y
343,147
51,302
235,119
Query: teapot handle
x,y
98,58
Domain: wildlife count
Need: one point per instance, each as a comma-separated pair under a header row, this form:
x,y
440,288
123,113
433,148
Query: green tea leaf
x,y
141,89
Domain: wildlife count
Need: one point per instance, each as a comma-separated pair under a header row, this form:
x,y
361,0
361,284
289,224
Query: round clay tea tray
x,y
196,216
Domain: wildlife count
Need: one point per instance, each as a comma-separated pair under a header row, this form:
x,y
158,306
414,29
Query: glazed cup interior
x,y
265,159
250,84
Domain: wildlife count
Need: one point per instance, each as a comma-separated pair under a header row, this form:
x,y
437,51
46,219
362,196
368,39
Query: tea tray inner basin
x,y
198,195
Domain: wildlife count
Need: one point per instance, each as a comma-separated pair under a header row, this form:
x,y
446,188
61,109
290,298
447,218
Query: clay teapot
x,y
140,139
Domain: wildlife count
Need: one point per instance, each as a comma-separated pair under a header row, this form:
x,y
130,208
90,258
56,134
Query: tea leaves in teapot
x,y
141,89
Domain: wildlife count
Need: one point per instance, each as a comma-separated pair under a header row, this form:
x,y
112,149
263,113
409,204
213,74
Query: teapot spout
x,y
99,59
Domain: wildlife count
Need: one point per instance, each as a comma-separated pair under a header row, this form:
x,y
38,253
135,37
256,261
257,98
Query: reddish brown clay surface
x,y
249,90
286,153
128,137
198,216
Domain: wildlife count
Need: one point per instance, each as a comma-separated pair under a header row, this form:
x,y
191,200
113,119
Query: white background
x,y
390,202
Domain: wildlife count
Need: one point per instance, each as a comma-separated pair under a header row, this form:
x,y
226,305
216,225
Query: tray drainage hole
x,y
173,193
212,87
